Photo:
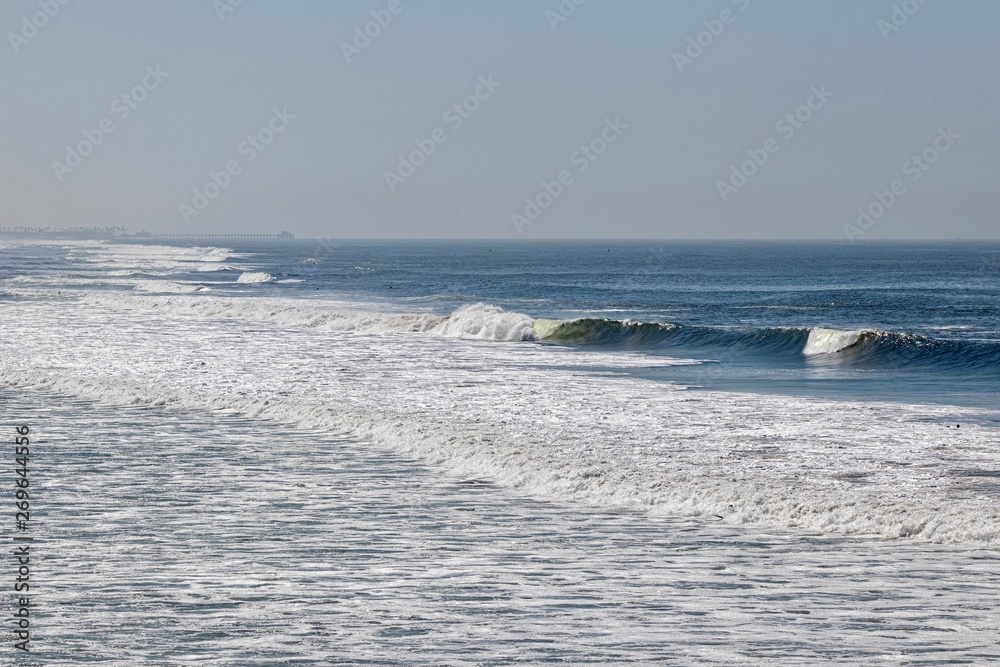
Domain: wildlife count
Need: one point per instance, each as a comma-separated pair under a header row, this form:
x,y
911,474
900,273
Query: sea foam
x,y
548,420
254,277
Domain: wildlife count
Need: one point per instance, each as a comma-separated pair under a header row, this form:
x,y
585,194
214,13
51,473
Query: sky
x,y
856,120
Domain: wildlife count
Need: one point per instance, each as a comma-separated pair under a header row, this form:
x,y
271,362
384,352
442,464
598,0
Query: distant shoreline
x,y
68,235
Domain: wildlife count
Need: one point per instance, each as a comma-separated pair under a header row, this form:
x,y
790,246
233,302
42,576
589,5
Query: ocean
x,y
500,453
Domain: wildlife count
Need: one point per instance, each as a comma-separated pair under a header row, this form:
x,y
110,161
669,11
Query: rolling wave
x,y
890,348
869,347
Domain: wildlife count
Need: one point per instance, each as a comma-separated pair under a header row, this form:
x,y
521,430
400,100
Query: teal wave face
x,y
598,331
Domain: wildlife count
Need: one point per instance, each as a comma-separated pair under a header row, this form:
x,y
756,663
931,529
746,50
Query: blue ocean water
x,y
452,453
930,312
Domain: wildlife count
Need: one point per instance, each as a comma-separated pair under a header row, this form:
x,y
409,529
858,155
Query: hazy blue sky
x,y
682,117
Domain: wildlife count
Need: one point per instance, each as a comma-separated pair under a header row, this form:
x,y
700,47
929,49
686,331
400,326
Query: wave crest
x,y
486,322
829,341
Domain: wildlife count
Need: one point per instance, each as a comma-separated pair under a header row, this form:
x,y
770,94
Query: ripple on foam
x,y
254,277
169,287
216,255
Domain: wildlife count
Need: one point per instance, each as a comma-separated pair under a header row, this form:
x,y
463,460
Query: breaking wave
x,y
817,345
254,277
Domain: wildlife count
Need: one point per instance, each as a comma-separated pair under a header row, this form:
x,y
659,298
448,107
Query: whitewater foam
x,y
254,277
545,419
486,322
